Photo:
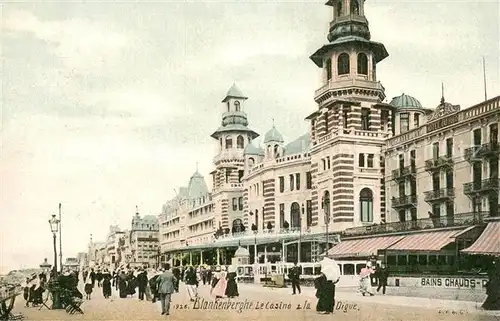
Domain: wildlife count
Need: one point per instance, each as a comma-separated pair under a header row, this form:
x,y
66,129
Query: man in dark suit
x,y
165,288
294,276
382,275
142,283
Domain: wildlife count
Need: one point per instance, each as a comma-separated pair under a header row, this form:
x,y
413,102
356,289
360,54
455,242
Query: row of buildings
x,y
137,246
365,168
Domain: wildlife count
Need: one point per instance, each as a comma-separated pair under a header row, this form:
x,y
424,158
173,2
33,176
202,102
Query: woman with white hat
x,y
365,285
219,290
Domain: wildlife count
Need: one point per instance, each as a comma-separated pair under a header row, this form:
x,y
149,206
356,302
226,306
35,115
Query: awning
x,y
362,247
488,242
430,241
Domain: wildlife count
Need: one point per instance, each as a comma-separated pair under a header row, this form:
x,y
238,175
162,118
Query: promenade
x,y
260,303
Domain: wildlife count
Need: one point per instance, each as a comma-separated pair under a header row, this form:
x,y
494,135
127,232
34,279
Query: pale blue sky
x,y
109,105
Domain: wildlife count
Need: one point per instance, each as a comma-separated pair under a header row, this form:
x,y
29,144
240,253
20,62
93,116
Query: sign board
x,y
453,282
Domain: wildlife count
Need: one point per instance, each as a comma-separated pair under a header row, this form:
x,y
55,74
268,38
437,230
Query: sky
x,y
109,105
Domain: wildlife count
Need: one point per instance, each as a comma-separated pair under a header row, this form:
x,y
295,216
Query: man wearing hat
x,y
142,282
165,284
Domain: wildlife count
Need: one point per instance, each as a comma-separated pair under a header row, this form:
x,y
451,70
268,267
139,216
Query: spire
x,y
484,79
442,92
136,210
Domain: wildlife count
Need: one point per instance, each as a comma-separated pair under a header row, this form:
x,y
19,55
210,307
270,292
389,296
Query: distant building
x,y
143,241
72,264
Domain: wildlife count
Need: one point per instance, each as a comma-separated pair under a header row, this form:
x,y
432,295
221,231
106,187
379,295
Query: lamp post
x,y
326,209
54,227
299,247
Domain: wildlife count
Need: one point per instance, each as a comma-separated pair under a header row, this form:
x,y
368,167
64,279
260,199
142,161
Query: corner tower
x,y
233,136
351,124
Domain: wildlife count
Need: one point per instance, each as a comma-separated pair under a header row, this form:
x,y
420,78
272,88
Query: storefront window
x,y
359,267
402,260
391,260
442,260
422,259
413,260
432,260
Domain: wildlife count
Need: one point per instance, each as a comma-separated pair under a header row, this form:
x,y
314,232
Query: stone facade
x,y
346,171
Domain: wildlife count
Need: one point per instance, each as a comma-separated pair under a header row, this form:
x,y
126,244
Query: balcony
x,y
402,173
439,195
436,164
481,187
476,153
463,219
404,201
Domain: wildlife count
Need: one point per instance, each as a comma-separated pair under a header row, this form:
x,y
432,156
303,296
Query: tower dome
x,y
405,101
273,135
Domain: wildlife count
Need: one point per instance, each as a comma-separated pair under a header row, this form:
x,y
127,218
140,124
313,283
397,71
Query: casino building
x,y
415,187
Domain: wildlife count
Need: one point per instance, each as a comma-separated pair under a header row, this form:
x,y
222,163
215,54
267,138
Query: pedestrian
x,y
325,286
142,282
122,285
232,286
165,284
383,275
294,276
88,288
492,301
106,284
98,277
177,273
204,275
365,285
219,289
154,286
191,281
92,277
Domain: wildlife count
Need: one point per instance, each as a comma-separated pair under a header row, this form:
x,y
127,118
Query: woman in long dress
x,y
106,284
88,288
232,286
220,288
122,285
325,286
365,285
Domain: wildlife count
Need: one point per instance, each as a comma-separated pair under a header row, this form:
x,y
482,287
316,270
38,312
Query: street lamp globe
x,y
54,224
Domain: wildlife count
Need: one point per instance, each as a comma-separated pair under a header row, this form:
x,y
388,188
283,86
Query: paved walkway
x,y
258,303
402,301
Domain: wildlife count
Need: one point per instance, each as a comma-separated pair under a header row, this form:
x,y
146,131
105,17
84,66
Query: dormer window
x,y
276,151
354,7
237,105
343,64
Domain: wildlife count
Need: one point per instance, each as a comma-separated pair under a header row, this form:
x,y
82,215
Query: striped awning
x,y
488,242
429,241
362,247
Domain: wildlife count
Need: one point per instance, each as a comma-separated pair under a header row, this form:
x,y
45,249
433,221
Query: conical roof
x,y
197,186
234,92
273,135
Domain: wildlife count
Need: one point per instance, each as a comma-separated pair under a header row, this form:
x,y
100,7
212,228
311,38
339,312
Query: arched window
x,y
343,64
229,142
328,67
237,106
354,7
240,141
251,162
295,215
366,205
237,224
240,204
276,151
362,64
339,8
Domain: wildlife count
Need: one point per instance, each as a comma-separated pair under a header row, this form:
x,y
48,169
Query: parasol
x,y
330,269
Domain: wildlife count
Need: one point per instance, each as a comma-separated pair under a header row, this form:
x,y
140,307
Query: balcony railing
x,y
463,219
437,163
404,172
404,201
476,153
473,154
484,186
439,195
